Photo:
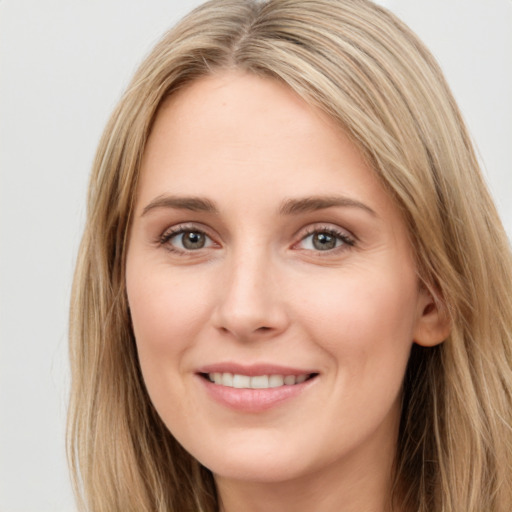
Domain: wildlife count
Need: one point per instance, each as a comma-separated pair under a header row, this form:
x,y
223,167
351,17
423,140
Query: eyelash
x,y
174,232
347,241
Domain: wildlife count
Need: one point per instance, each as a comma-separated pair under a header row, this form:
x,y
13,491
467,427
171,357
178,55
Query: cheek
x,y
164,306
167,311
365,321
365,324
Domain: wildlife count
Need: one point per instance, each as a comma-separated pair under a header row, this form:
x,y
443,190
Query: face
x,y
271,285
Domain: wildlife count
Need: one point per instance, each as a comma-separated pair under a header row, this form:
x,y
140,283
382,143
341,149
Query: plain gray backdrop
x,y
63,66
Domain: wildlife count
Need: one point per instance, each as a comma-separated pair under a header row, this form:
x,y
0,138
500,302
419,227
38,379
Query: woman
x,y
293,287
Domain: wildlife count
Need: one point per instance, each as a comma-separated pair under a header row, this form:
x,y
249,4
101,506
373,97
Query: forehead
x,y
238,125
233,110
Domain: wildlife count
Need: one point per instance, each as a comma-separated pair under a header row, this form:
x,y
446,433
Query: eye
x,y
184,239
325,240
191,240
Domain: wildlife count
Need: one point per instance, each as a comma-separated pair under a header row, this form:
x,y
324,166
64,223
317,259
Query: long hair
x,y
369,72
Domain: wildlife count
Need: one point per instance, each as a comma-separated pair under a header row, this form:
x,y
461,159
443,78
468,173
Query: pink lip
x,y
252,400
253,369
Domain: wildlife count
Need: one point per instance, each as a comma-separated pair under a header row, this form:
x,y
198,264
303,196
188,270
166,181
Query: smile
x,y
240,381
258,391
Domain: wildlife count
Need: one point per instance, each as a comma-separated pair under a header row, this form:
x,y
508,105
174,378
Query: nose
x,y
251,301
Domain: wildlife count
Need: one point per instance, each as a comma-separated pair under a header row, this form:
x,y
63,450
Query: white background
x,y
63,65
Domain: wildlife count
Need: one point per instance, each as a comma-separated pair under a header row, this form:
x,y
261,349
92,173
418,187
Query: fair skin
x,y
263,245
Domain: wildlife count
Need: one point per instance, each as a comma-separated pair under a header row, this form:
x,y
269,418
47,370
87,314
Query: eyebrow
x,y
288,207
311,204
194,204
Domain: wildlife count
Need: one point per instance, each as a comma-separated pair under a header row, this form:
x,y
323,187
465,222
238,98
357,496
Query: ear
x,y
433,324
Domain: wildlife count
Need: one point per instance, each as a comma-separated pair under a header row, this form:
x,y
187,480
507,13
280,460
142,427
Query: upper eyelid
x,y
319,227
185,226
328,229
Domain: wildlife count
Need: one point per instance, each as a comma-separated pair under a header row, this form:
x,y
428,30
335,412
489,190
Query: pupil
x,y
324,241
193,240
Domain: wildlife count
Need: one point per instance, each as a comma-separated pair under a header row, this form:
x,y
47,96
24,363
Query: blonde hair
x,y
369,72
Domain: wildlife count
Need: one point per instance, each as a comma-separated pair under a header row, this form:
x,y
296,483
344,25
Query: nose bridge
x,y
250,301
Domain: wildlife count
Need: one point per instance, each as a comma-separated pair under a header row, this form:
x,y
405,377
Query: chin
x,y
261,457
261,470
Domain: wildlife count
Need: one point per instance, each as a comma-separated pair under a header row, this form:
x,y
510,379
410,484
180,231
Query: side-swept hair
x,y
370,73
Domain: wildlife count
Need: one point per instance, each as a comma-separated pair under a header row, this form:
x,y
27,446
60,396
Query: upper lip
x,y
253,369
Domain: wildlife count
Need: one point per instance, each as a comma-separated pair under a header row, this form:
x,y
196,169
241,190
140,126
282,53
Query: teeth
x,y
274,381
257,382
227,379
289,380
241,381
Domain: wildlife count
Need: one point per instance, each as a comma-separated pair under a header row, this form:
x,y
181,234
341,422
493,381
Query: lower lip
x,y
254,400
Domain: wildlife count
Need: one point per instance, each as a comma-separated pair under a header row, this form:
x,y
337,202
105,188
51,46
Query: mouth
x,y
257,387
270,381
